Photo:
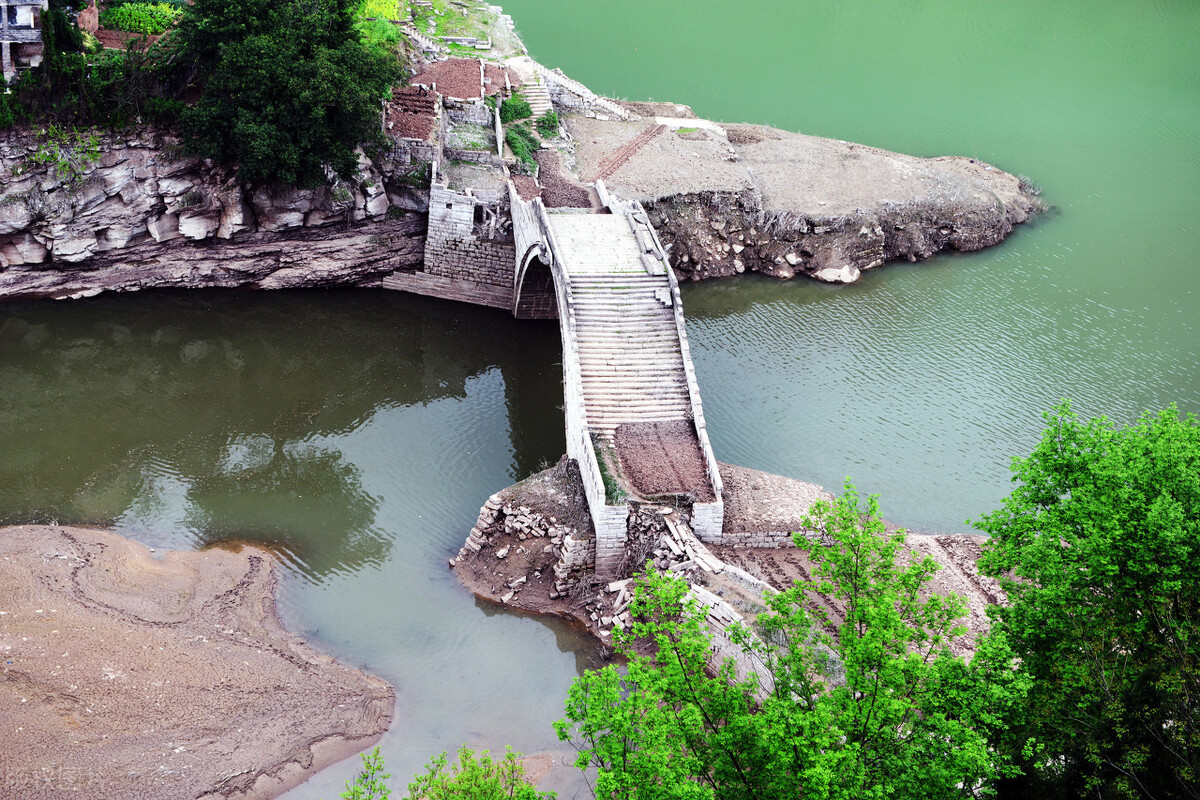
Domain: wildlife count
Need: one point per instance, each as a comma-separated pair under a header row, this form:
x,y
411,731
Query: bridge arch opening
x,y
534,296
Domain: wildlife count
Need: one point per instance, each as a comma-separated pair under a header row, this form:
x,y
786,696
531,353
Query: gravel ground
x,y
663,458
759,501
667,165
559,190
123,675
793,172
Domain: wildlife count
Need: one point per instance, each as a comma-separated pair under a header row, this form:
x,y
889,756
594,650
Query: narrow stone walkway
x,y
538,97
629,351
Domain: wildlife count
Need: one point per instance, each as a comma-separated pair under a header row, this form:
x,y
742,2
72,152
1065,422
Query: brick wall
x,y
452,249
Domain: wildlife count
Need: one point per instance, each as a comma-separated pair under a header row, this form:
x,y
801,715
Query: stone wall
x,y
454,251
575,555
485,157
473,111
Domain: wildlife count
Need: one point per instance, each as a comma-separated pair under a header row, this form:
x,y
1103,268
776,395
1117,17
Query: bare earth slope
x,y
126,676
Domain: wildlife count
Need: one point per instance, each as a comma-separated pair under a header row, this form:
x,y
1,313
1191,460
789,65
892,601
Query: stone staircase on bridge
x,y
630,357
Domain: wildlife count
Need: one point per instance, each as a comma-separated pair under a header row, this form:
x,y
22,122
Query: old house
x,y
20,35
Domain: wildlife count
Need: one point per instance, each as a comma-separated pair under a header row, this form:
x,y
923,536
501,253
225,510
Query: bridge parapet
x,y
533,232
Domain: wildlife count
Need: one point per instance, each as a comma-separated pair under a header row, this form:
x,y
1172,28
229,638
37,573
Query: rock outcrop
x,y
728,199
135,213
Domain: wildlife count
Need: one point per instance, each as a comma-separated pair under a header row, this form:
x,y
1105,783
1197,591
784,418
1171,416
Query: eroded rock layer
x,y
78,218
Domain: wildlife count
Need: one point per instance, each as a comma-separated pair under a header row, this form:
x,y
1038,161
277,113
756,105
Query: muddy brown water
x,y
359,432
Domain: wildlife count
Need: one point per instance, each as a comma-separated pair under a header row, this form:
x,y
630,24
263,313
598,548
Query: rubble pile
x,y
574,556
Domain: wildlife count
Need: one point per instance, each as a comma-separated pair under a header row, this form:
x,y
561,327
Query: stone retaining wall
x,y
452,250
575,555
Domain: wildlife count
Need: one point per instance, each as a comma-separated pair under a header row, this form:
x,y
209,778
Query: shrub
x,y
371,781
515,108
145,18
523,142
547,124
163,109
475,778
289,88
7,115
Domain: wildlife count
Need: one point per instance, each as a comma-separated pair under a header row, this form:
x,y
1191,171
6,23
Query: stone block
x,y
199,225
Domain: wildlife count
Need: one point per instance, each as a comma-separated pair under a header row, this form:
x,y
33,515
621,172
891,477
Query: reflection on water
x,y
186,419
356,433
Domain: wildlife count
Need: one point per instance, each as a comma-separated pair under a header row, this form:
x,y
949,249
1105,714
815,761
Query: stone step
x,y
615,281
635,354
630,373
673,401
630,370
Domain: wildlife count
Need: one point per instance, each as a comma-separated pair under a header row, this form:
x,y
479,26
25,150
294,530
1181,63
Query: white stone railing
x,y
575,87
530,221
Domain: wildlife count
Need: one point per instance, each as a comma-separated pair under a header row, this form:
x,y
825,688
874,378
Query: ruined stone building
x,y
20,35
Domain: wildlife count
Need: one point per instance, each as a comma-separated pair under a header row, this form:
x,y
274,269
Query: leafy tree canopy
x,y
1098,549
289,87
871,706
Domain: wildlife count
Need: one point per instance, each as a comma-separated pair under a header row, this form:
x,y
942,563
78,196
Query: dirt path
x,y
663,458
123,675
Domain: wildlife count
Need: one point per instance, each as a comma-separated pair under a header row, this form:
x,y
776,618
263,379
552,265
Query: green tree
x,y
288,87
872,705
475,777
1098,548
371,781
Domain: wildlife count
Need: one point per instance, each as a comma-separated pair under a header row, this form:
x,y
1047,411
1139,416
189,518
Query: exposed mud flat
x,y
124,675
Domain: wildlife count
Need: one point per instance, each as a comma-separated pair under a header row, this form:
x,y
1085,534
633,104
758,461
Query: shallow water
x,y
358,432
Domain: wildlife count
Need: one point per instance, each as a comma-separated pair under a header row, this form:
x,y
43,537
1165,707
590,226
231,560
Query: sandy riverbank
x,y
127,675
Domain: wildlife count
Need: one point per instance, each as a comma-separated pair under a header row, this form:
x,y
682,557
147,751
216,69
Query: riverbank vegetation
x,y
1084,686
287,88
283,90
1098,550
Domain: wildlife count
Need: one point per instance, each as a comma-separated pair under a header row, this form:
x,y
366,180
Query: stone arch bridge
x,y
634,420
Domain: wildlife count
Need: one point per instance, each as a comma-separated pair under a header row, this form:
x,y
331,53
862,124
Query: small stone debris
x,y
502,552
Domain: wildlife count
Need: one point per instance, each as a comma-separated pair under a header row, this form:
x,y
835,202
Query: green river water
x,y
358,432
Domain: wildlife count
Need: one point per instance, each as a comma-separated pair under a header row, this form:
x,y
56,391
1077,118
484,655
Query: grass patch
x,y
145,18
450,19
523,142
383,9
515,108
687,130
547,124
606,458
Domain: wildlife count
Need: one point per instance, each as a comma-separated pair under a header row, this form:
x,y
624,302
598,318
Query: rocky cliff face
x,y
717,234
139,215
